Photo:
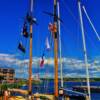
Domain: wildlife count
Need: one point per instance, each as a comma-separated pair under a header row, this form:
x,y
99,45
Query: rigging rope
x,y
47,53
92,25
20,72
67,8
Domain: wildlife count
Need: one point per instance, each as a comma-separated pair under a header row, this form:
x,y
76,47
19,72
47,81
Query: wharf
x,y
94,89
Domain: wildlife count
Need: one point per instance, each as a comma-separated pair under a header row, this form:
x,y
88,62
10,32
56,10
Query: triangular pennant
x,y
47,44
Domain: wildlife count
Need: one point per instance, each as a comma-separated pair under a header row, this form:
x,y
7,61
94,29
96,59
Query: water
x,y
48,87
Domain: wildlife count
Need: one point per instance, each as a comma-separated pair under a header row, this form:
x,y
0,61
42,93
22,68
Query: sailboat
x,y
54,29
87,88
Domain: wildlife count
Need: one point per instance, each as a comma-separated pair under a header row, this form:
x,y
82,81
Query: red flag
x,y
42,63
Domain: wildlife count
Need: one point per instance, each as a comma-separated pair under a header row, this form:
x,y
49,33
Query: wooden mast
x,y
30,60
55,52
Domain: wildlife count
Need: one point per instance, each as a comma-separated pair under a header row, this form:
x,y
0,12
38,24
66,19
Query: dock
x,y
94,89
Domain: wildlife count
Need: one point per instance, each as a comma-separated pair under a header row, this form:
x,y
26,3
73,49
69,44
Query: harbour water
x,y
48,87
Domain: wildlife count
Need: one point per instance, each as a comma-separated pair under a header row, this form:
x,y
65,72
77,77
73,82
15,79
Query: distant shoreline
x,y
68,79
75,79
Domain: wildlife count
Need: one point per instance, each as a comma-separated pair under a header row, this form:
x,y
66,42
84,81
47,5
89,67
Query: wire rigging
x,y
92,25
67,9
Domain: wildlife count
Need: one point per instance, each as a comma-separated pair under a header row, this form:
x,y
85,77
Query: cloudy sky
x,y
12,14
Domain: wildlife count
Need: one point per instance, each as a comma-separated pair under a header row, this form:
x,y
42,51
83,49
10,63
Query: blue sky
x,y
12,13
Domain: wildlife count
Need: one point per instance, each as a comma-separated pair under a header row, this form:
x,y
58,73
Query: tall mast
x,y
30,60
61,73
85,51
55,52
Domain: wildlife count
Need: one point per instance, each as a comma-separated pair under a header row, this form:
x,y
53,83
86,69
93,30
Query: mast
x,y
61,73
85,51
55,52
30,60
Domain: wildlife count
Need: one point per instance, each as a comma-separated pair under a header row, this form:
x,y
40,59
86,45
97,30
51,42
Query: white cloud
x,y
8,59
71,65
75,75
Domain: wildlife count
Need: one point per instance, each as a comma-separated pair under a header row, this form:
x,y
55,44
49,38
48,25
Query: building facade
x,y
7,74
